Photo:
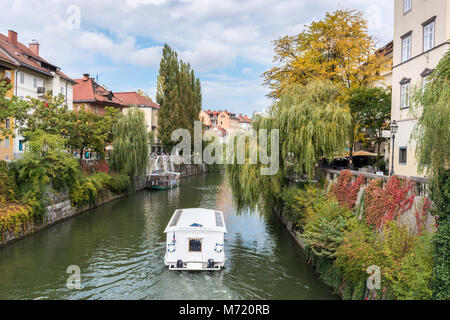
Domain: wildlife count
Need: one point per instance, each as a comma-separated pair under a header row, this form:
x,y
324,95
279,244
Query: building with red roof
x,y
94,97
31,76
150,110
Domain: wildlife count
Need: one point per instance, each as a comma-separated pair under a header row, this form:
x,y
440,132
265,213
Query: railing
x,y
420,183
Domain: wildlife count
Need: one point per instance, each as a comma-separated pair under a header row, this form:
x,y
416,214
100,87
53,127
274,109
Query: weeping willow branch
x,y
130,154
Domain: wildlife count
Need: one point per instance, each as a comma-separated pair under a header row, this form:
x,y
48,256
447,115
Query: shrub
x,y
119,183
91,188
411,280
358,251
83,193
301,203
14,217
324,231
7,185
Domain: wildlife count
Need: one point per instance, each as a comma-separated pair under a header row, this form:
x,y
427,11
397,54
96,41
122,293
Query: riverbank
x,y
59,207
360,221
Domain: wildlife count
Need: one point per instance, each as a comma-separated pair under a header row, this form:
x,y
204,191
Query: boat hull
x,y
160,188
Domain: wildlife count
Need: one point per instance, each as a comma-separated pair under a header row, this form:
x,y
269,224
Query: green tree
x,y
432,135
371,112
311,124
88,131
45,161
81,129
10,108
179,96
130,153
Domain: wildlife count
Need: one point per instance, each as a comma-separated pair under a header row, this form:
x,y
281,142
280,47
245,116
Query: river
x,y
119,248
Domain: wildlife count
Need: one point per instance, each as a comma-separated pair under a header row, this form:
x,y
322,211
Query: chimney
x,y
12,37
85,76
34,46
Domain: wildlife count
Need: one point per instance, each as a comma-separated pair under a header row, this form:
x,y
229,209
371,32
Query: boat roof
x,y
197,219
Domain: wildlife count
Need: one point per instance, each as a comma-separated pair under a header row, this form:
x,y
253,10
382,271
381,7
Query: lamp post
x,y
394,129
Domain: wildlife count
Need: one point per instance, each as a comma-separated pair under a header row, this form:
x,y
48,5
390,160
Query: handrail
x,y
376,176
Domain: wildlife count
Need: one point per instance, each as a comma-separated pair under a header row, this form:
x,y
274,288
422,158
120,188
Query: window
x,y
402,155
195,245
404,95
35,82
7,142
8,74
406,47
62,90
407,6
8,124
22,77
428,36
219,221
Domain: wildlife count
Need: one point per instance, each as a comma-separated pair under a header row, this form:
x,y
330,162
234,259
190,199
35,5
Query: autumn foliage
x,y
388,203
345,190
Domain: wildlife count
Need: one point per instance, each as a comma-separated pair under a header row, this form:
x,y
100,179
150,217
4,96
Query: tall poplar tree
x,y
179,96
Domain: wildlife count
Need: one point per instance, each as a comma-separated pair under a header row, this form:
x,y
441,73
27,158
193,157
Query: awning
x,y
357,154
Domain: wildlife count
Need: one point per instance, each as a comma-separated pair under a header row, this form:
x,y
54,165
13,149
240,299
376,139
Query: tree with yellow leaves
x,y
337,48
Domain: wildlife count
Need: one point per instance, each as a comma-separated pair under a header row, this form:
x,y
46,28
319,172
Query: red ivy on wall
x,y
385,204
421,215
100,165
346,191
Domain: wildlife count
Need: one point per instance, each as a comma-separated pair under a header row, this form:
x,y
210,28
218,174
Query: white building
x,y
421,38
31,76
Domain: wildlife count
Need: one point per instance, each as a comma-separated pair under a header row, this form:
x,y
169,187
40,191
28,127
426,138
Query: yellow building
x,y
6,142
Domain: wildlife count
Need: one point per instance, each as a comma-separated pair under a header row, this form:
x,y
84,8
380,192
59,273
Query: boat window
x,y
176,218
195,245
219,221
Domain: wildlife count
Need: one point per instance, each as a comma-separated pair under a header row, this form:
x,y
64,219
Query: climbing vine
x,y
345,190
388,203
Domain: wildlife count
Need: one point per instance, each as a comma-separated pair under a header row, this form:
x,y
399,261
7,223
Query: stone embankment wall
x,y
408,218
188,170
58,208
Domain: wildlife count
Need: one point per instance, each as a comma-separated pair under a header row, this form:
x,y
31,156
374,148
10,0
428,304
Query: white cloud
x,y
213,35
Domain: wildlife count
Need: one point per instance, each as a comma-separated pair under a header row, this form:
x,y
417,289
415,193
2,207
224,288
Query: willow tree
x,y
432,135
312,124
130,148
338,48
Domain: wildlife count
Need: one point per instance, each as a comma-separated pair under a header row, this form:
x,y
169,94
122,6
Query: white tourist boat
x,y
195,240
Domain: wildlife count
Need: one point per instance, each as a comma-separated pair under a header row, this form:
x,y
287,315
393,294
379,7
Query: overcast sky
x,y
228,42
